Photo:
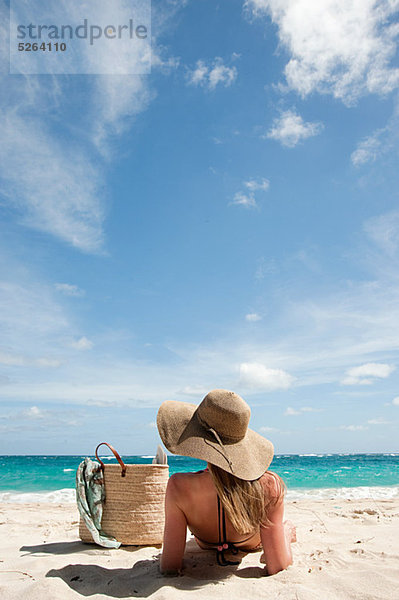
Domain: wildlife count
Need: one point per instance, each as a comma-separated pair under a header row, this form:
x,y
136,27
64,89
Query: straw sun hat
x,y
216,431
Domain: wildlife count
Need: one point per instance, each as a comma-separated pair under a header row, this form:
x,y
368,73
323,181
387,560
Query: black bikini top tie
x,y
223,543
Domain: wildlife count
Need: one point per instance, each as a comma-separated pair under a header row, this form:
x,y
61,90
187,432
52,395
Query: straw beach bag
x,y
133,511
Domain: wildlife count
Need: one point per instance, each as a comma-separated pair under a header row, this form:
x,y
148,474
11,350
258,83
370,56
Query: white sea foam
x,y
354,493
67,470
64,496
67,495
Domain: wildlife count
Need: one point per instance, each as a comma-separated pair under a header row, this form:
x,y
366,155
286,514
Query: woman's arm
x,y
275,541
174,539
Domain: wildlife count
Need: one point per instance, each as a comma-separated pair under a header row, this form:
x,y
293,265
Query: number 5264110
x,y
44,46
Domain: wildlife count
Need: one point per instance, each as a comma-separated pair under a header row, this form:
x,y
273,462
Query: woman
x,y
234,504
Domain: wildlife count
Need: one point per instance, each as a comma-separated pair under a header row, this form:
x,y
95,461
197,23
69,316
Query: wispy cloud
x,y
195,391
357,321
246,200
33,322
367,374
380,143
384,231
33,413
258,376
210,75
378,421
253,317
248,197
255,185
117,100
37,417
266,429
18,360
343,49
30,319
82,343
53,189
53,185
395,401
354,427
69,289
368,149
265,267
289,412
289,129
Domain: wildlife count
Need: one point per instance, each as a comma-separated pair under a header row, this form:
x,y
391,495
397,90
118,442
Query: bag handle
x,y
118,458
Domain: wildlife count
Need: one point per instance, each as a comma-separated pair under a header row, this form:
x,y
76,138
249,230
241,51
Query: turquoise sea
x,y
52,478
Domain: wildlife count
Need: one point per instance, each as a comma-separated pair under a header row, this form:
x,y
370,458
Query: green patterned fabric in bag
x,y
90,497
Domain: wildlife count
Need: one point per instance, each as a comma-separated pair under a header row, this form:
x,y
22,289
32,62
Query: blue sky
x,y
230,220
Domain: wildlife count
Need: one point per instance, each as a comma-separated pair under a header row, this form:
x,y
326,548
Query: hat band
x,y
222,449
226,438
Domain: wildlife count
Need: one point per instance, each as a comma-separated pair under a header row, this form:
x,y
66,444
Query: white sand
x,y
346,549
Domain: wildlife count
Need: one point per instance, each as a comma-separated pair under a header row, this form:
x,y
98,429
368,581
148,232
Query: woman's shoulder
x,y
182,481
273,485
186,488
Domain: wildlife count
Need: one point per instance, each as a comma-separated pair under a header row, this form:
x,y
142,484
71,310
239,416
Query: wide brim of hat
x,y
182,433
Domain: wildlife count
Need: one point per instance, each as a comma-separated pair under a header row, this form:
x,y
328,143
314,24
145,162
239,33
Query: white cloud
x,y
195,391
384,231
41,419
55,189
354,427
32,413
378,421
49,180
367,374
117,100
368,149
82,343
69,289
358,321
335,47
253,317
257,376
246,200
46,363
12,360
152,425
265,267
304,409
291,411
379,144
18,360
289,129
254,185
395,401
211,75
105,403
265,429
30,319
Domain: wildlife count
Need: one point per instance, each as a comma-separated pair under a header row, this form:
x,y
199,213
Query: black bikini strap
x,y
220,534
223,544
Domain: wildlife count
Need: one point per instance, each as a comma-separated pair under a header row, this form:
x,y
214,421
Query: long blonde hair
x,y
247,503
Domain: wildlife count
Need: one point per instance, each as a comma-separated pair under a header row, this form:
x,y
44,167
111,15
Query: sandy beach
x,y
346,549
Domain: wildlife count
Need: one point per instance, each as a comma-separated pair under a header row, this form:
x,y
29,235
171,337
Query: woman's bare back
x,y
191,501
196,496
